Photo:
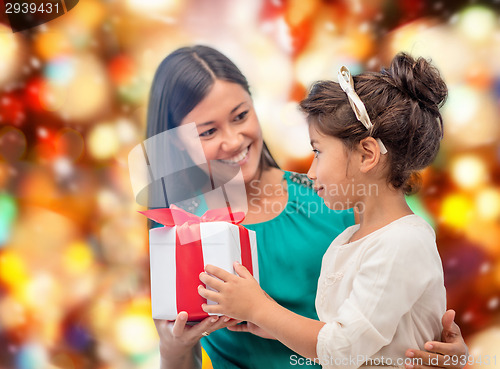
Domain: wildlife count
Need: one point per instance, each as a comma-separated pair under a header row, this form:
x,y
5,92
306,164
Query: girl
x,y
381,287
202,85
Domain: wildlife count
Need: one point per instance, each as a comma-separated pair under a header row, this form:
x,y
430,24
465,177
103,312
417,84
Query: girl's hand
x,y
451,353
237,296
251,328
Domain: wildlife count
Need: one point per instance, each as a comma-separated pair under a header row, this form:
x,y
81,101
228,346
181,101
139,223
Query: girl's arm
x,y
242,298
363,324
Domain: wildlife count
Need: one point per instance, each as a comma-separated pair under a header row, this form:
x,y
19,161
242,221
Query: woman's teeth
x,y
237,158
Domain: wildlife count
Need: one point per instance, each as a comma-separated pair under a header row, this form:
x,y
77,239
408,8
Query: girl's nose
x,y
311,173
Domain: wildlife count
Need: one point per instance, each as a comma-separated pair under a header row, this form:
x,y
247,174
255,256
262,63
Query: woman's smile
x,y
239,159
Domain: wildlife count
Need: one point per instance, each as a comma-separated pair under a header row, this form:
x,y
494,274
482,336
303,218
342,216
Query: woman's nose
x,y
232,141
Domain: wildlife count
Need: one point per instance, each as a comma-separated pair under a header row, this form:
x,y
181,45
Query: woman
x,y
292,225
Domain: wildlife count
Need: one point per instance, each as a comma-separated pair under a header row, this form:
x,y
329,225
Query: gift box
x,y
180,250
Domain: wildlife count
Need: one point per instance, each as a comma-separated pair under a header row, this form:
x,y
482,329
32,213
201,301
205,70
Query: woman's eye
x,y
316,153
241,116
208,133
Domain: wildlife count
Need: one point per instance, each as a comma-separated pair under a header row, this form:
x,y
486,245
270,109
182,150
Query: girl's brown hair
x,y
403,104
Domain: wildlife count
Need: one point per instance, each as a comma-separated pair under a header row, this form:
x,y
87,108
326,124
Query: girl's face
x,y
228,128
329,171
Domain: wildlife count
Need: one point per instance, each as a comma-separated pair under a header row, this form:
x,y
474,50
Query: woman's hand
x,y
451,353
179,343
236,296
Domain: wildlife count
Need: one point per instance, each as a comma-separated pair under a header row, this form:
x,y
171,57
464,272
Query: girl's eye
x,y
316,153
208,133
241,116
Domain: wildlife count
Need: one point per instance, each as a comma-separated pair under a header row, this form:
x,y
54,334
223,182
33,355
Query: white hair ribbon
x,y
347,84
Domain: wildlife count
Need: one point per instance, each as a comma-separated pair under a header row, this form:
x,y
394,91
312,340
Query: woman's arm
x,y
440,354
180,346
243,299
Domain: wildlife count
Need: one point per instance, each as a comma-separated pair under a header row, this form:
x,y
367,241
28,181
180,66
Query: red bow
x,y
176,216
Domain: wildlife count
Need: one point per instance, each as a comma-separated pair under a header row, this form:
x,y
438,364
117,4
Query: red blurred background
x,y
74,277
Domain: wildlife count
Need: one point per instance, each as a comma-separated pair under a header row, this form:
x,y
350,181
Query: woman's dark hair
x,y
182,80
403,104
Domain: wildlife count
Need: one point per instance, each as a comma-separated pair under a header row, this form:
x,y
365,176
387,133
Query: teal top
x,y
290,249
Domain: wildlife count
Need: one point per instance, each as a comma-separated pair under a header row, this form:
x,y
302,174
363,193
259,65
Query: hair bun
x,y
419,79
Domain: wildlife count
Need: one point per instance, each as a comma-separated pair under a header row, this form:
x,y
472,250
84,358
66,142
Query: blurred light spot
x,y
467,316
60,70
42,132
50,45
108,201
70,143
121,69
62,168
81,93
88,15
41,287
149,6
8,212
127,131
12,313
102,141
488,203
471,116
461,106
136,322
78,257
485,268
31,356
9,54
456,210
13,271
484,347
53,97
416,205
12,144
477,22
128,328
493,303
469,171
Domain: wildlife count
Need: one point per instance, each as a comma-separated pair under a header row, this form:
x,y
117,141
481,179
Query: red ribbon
x,y
189,254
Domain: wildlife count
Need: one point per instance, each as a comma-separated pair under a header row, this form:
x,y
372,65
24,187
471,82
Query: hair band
x,y
347,84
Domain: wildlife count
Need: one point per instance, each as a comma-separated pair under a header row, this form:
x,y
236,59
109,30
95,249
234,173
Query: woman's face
x,y
228,128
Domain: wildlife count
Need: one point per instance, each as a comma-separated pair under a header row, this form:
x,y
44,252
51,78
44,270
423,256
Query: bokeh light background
x,y
74,277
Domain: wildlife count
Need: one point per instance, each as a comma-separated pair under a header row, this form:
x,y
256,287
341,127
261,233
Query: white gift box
x,y
221,247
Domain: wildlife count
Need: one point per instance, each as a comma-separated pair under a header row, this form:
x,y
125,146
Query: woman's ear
x,y
370,154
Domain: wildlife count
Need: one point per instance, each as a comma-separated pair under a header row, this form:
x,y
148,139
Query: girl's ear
x,y
370,154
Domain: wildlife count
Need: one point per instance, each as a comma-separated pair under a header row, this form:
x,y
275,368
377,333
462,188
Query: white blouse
x,y
380,295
